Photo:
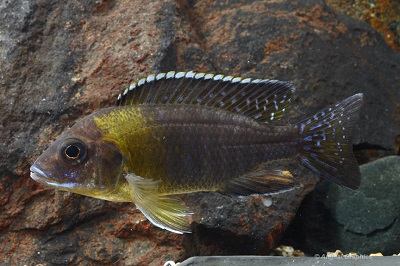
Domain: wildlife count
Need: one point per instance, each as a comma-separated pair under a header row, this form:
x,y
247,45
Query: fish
x,y
175,133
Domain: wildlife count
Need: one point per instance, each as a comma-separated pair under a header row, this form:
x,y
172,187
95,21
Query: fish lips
x,y
41,177
38,175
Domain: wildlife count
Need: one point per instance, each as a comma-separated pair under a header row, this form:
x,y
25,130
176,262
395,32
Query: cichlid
x,y
183,132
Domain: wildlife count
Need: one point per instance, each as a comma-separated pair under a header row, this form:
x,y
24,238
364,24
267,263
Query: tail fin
x,y
326,142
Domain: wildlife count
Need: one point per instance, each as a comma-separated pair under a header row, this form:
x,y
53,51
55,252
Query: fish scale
x,y
213,146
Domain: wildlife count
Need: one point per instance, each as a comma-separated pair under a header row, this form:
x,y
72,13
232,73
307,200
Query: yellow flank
x,y
122,121
140,140
135,135
119,124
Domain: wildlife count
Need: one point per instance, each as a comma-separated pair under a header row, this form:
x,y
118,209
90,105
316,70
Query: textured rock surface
x,y
384,16
61,60
364,221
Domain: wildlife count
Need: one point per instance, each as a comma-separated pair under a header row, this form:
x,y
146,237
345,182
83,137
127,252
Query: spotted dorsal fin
x,y
261,99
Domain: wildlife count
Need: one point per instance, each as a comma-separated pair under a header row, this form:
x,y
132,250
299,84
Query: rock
x,y
225,225
363,221
62,60
382,15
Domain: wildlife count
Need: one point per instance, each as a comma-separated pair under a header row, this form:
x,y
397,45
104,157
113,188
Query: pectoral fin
x,y
166,212
261,182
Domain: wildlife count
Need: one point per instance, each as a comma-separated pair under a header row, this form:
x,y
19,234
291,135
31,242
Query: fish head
x,y
80,161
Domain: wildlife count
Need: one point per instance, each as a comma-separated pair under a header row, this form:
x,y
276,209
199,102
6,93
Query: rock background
x,y
384,16
364,221
60,60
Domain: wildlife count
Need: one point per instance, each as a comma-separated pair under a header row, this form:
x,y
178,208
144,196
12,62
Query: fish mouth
x,y
41,177
38,175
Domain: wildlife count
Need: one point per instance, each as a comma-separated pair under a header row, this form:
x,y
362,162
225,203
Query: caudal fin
x,y
326,142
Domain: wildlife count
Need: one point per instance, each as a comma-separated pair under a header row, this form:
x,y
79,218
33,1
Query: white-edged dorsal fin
x,y
261,99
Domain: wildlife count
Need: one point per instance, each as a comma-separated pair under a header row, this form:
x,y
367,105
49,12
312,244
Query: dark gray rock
x,y
363,221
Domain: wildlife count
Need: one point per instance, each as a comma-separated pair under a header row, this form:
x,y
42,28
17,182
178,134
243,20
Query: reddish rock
x,y
61,60
383,15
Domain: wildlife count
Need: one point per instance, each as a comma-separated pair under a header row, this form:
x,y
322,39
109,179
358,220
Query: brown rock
x,y
384,16
61,60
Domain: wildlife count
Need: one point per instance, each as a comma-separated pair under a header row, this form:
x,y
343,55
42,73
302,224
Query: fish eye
x,y
73,151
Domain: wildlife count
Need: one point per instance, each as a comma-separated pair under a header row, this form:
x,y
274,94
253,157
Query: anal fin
x,y
261,181
166,212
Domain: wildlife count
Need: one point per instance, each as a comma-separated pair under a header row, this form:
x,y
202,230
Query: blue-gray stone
x,y
363,221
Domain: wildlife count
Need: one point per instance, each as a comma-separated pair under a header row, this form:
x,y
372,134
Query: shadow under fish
x,y
183,132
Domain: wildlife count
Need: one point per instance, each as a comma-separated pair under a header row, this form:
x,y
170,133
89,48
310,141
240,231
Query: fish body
x,y
177,133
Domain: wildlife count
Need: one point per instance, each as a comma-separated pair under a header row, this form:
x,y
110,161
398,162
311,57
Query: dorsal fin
x,y
263,100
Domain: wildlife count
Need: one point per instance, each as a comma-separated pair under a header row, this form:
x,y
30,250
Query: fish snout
x,y
37,174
